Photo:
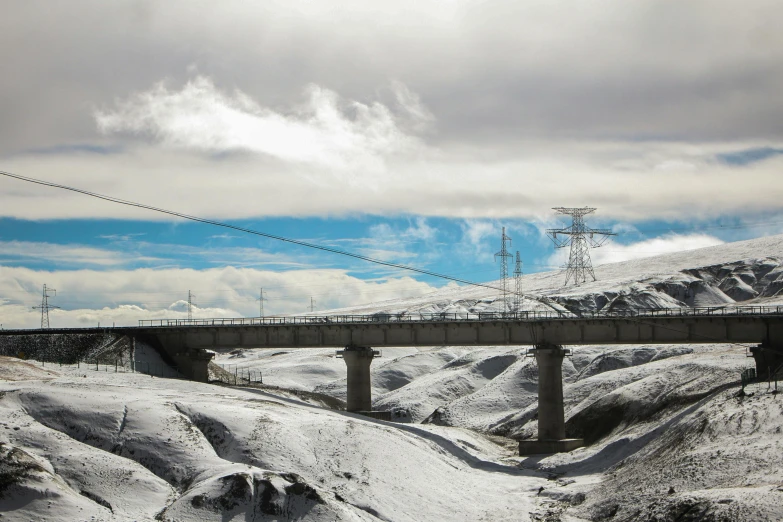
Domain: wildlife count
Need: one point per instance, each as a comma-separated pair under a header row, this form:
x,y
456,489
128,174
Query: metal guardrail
x,y
380,318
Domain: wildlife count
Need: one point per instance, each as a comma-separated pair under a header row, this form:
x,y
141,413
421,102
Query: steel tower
x,y
45,306
504,256
580,237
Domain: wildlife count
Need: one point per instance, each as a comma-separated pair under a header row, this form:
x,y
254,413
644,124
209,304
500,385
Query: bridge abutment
x,y
551,413
194,364
357,360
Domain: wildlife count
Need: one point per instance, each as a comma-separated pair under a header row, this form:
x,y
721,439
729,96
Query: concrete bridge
x,y
186,342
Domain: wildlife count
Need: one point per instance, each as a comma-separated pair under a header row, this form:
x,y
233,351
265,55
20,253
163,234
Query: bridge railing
x,y
465,316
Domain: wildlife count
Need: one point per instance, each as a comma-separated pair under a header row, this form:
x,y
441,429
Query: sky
x,y
410,132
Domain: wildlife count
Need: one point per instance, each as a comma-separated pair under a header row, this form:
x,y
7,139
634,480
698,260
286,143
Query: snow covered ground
x,y
668,436
106,446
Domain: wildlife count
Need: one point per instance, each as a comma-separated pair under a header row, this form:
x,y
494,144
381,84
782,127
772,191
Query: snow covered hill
x,y
668,436
83,445
746,272
616,397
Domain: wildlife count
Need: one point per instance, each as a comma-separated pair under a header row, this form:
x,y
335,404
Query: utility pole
x,y
45,306
518,284
580,237
312,304
190,305
504,255
261,300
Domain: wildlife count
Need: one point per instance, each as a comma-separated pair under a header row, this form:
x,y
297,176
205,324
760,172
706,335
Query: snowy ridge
x,y
747,272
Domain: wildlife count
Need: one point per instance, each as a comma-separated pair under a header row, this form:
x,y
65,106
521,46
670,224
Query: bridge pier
x,y
358,360
768,358
551,413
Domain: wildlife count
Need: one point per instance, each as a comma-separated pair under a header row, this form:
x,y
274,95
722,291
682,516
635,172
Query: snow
x,y
176,449
669,437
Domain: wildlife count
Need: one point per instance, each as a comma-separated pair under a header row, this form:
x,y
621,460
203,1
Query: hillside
x,y
668,436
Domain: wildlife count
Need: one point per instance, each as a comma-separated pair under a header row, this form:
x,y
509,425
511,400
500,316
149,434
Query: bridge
x,y
187,342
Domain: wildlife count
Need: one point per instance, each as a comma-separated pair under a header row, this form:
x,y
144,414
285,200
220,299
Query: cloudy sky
x,y
406,131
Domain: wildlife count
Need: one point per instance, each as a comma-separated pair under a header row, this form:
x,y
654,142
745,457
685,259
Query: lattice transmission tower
x,y
190,305
45,306
580,237
261,300
504,255
518,284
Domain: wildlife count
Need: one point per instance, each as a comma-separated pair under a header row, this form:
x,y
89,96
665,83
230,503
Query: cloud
x,y
325,130
476,238
125,296
643,110
709,69
129,251
621,179
121,238
77,255
420,230
614,252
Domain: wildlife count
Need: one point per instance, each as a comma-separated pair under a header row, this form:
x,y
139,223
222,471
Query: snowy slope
x,y
616,397
129,447
669,439
749,272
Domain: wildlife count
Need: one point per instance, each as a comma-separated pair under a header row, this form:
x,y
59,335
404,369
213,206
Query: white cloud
x,y
125,296
618,178
614,252
421,230
414,244
476,237
78,255
325,130
129,251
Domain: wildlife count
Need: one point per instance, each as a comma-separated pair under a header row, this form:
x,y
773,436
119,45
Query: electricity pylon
x,y
261,300
518,284
580,237
504,255
312,305
190,305
45,306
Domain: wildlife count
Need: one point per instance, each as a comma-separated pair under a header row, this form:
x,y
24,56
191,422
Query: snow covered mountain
x,y
668,436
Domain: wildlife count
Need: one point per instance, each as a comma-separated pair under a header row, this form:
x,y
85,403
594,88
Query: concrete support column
x,y
133,353
199,366
768,358
551,413
358,359
551,416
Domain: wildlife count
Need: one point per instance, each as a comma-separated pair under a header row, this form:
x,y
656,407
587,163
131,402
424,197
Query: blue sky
x,y
460,248
413,140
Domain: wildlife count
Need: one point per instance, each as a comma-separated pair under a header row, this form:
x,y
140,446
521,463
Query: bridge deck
x,y
667,326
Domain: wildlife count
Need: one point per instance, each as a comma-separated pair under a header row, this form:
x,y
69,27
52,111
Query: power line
x,y
246,230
